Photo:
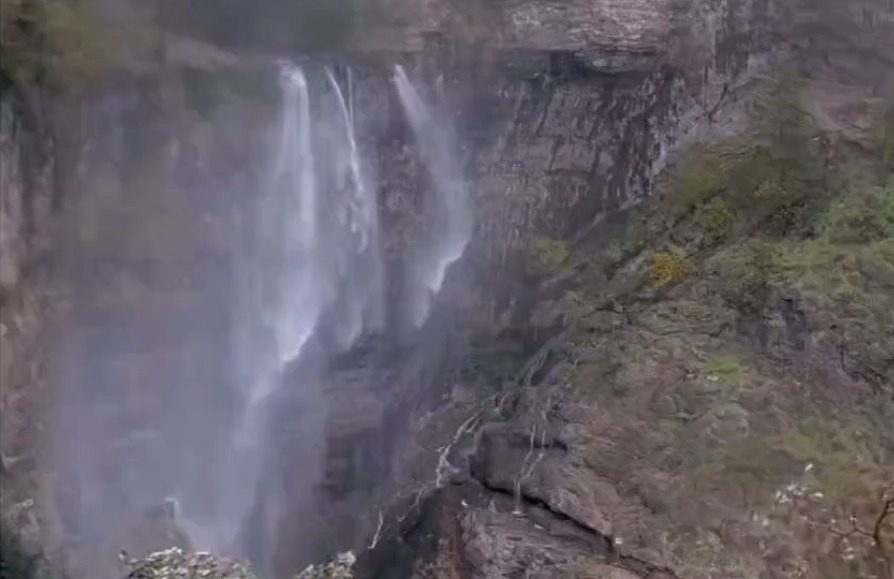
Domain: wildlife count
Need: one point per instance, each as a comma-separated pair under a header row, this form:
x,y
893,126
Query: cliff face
x,y
141,261
471,448
546,473
557,133
28,292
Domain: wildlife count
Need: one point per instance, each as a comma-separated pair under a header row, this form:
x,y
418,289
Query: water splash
x,y
451,209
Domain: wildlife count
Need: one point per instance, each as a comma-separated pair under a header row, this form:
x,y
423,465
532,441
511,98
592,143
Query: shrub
x,y
716,218
774,176
50,42
668,268
548,253
699,174
864,216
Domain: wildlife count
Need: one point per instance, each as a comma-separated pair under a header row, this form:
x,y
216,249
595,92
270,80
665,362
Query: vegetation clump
x,y
774,176
49,43
716,219
865,215
669,268
549,253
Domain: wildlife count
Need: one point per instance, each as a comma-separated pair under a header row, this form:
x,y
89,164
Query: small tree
x,y
788,173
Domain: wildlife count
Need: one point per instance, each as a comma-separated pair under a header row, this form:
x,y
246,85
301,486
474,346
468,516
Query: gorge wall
x,y
564,113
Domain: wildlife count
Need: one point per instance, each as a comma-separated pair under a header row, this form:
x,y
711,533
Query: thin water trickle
x,y
452,215
362,205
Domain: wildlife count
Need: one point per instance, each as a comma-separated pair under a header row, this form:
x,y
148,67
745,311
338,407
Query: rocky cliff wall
x,y
29,295
127,213
555,139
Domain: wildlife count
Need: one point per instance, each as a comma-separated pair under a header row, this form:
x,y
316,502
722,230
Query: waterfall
x,y
300,296
319,235
451,209
363,207
305,277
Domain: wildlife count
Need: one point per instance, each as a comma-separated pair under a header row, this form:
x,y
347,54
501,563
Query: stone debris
x,y
174,563
341,568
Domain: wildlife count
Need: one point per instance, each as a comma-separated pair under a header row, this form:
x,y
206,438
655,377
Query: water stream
x,y
450,209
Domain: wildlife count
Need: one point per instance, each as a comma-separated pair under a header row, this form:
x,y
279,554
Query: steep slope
x,y
719,401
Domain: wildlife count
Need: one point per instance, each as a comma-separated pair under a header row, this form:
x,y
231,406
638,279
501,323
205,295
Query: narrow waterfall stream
x,y
450,209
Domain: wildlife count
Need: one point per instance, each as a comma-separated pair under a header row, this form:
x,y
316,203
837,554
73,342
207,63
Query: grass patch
x,y
725,366
848,457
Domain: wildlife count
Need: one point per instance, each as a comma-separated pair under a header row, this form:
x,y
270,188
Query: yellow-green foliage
x,y
668,268
864,215
548,253
773,175
50,41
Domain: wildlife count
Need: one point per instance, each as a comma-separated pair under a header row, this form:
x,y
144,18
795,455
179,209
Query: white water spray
x,y
322,228
452,213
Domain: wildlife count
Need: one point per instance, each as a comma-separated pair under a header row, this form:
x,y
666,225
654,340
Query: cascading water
x,y
294,293
307,283
451,208
320,233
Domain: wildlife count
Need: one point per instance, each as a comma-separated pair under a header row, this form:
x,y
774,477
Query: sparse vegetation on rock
x,y
741,409
772,178
548,253
50,42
